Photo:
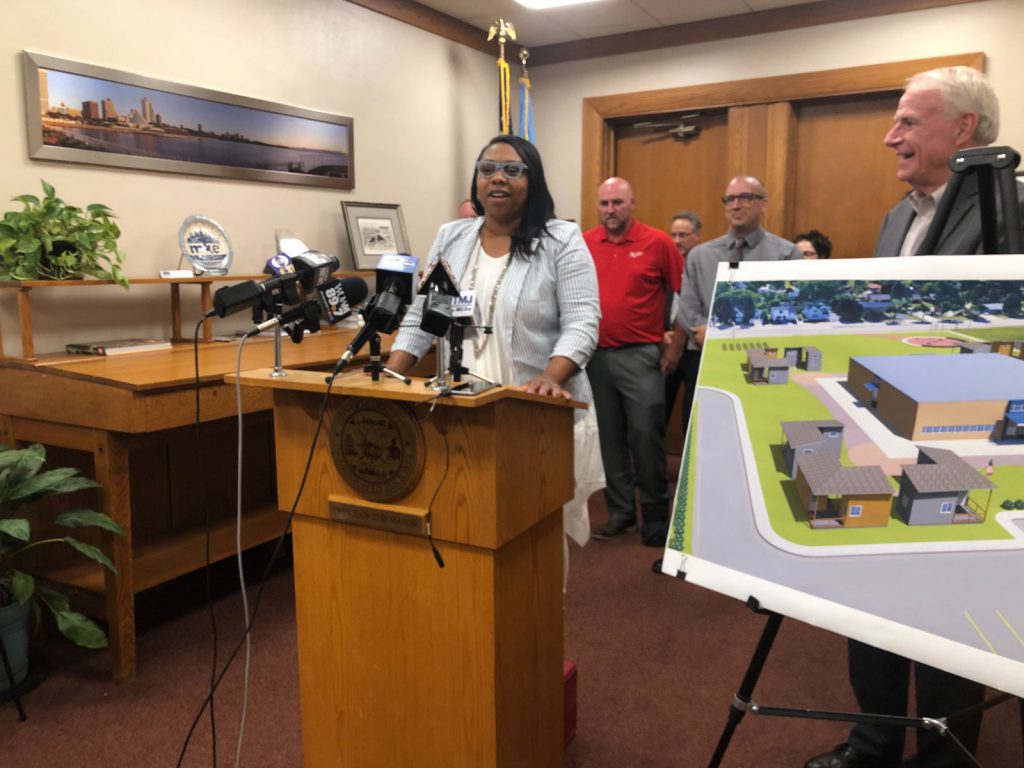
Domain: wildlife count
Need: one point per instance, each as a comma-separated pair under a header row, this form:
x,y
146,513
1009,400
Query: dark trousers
x,y
629,400
689,364
881,681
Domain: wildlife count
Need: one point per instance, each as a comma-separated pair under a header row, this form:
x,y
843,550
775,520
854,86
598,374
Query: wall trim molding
x,y
724,28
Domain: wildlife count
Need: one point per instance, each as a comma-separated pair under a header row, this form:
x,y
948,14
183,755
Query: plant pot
x,y
14,636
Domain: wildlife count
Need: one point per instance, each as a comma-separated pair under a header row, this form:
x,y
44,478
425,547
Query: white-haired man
x,y
941,112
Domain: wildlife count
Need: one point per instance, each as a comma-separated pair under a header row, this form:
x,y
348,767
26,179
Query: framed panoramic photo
x,y
373,230
80,113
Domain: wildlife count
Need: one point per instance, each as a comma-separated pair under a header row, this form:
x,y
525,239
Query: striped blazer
x,y
552,296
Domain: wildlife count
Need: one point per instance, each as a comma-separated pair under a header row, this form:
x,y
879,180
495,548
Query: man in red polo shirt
x,y
637,266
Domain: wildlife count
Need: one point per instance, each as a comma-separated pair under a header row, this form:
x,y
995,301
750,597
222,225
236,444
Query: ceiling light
x,y
543,5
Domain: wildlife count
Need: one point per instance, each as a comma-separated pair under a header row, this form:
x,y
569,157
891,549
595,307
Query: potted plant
x,y
51,240
21,483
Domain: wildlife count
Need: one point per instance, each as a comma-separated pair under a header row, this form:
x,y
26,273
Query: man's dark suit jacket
x,y
961,235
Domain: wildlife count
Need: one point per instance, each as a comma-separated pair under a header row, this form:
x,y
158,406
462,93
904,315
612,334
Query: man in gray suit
x,y
941,112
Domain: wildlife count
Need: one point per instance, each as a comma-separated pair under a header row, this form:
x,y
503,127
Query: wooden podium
x,y
403,662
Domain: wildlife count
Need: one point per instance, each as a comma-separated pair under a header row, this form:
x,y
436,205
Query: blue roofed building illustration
x,y
943,396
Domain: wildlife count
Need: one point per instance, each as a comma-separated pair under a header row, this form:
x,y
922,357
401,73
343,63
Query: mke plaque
x,y
377,447
206,245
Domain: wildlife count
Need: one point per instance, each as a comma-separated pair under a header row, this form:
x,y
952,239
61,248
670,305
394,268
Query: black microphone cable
x,y
218,678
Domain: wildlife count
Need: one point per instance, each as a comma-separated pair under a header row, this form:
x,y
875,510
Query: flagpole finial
x,y
524,54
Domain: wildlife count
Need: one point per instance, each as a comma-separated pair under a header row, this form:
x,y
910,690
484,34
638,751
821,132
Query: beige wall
x,y
422,106
989,27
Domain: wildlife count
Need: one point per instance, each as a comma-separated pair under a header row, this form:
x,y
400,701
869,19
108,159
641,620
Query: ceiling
x,y
596,19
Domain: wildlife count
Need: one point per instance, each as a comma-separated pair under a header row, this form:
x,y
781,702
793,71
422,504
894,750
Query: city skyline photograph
x,y
80,113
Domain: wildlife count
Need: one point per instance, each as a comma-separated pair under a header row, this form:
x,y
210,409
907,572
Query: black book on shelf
x,y
117,346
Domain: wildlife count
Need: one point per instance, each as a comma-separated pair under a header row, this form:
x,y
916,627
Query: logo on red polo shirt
x,y
635,254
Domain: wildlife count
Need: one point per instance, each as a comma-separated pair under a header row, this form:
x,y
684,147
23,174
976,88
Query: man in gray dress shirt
x,y
745,203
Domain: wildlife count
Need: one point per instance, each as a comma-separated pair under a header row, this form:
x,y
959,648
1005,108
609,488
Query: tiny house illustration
x,y
766,367
935,490
808,358
804,437
835,496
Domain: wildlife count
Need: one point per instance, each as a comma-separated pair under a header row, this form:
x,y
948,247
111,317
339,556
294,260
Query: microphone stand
x,y
278,371
375,367
454,339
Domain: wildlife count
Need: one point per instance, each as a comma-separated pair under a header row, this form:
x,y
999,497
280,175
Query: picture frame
x,y
373,230
82,113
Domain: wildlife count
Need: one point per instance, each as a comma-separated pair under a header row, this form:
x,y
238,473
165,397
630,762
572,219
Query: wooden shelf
x,y
24,290
176,554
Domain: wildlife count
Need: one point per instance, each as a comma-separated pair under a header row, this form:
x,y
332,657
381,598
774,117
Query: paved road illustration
x,y
971,597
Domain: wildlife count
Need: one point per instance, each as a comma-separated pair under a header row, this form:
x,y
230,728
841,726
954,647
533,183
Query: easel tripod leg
x,y
741,700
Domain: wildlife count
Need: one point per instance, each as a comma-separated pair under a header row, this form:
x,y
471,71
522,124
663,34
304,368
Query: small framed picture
x,y
373,230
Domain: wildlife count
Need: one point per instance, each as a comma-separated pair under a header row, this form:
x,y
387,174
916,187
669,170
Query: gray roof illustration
x,y
803,432
948,473
944,378
826,476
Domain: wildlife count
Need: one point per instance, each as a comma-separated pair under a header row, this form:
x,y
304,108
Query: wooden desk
x,y
132,415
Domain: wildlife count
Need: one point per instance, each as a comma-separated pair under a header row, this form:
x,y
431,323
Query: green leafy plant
x,y
51,240
22,482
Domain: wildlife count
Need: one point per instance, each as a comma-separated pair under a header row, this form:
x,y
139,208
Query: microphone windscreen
x,y
395,273
281,264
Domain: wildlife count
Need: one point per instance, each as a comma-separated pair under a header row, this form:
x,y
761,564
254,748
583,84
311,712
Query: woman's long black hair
x,y
540,207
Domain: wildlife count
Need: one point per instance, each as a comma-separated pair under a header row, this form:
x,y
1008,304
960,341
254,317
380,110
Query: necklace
x,y
479,346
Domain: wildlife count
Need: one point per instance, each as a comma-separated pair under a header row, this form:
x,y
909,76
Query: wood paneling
x,y
845,178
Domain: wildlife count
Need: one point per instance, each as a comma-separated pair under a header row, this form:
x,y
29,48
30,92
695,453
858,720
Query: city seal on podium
x,y
206,245
377,447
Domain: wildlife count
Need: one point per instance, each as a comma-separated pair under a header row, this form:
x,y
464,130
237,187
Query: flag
x,y
525,108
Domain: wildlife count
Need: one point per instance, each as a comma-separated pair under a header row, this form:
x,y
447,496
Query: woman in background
x,y
813,245
536,287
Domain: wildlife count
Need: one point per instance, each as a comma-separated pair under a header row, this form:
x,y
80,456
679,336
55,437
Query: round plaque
x,y
206,246
377,447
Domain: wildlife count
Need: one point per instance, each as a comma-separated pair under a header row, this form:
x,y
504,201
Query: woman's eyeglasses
x,y
488,168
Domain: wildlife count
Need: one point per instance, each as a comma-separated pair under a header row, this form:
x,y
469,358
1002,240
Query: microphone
x,y
310,269
395,273
337,297
332,302
439,278
386,309
281,266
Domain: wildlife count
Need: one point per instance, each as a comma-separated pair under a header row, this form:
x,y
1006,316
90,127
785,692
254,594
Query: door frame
x,y
599,113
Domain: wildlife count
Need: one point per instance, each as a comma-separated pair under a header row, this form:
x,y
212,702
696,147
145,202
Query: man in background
x,y
637,265
684,229
745,202
941,112
466,210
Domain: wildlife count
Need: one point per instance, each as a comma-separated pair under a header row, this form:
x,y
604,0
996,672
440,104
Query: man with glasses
x,y
745,203
637,266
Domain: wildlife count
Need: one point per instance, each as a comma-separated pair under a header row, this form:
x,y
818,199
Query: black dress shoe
x,y
844,756
614,527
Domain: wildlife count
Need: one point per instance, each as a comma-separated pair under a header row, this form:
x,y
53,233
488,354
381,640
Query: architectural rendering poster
x,y
856,455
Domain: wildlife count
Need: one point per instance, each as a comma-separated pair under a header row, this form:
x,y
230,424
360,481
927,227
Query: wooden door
x,y
843,178
670,175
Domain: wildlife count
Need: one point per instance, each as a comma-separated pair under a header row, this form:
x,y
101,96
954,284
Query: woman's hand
x,y
545,385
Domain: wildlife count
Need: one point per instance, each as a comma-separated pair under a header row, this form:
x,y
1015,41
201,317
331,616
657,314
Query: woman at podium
x,y
535,286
